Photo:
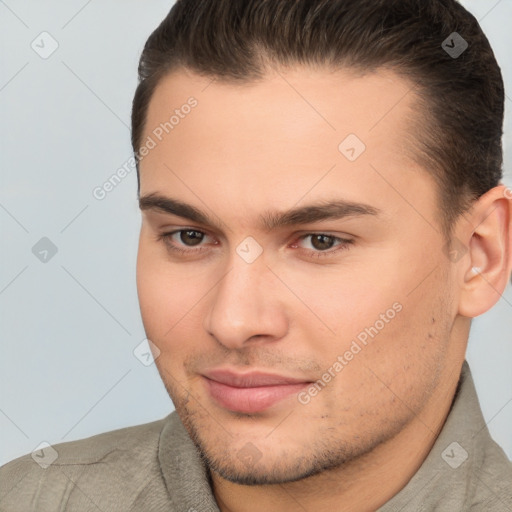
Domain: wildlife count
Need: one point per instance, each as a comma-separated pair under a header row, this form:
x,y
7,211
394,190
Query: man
x,y
323,216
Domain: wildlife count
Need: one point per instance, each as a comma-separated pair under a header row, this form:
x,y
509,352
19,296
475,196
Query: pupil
x,y
191,237
322,241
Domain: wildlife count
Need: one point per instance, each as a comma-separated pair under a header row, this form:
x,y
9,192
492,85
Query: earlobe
x,y
488,229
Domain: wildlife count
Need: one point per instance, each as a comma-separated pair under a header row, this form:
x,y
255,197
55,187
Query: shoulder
x,y
489,470
106,471
93,449
493,481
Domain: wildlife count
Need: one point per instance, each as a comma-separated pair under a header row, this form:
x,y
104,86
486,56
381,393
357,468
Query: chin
x,y
274,472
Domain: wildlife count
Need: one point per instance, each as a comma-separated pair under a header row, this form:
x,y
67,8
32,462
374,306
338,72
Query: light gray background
x,y
69,326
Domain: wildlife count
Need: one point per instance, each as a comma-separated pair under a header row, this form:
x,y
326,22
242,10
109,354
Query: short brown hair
x,y
458,129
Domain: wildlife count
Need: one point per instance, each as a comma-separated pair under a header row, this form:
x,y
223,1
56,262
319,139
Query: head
x,y
331,157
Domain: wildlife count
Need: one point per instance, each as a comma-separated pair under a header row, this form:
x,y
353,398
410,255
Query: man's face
x,y
359,303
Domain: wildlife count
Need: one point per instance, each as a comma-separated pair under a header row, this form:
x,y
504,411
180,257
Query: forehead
x,y
283,110
324,100
299,131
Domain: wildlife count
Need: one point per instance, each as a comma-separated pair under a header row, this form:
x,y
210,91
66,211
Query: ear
x,y
487,233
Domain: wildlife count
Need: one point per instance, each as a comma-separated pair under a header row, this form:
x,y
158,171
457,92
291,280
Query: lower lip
x,y
250,400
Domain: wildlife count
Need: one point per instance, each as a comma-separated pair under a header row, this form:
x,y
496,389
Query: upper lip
x,y
251,379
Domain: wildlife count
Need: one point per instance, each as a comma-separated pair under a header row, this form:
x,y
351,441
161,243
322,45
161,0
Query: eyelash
x,y
342,246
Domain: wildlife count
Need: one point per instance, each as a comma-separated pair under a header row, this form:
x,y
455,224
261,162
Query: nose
x,y
245,306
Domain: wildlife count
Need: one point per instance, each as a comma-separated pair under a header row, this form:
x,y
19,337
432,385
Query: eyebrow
x,y
270,220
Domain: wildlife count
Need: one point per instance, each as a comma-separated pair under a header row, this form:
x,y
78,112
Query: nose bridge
x,y
243,305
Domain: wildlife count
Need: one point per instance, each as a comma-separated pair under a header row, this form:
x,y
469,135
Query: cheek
x,y
411,351
166,293
339,304
381,324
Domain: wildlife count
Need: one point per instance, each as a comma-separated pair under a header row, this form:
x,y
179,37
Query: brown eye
x,y
322,242
322,245
184,241
191,237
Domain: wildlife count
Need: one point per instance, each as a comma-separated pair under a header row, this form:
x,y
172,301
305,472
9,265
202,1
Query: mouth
x,y
250,392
